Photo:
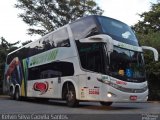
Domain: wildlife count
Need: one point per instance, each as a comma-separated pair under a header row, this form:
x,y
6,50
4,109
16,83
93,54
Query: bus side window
x,y
61,38
34,48
84,28
51,70
48,43
91,56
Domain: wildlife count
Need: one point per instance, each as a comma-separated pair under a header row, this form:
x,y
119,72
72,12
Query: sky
x,y
13,29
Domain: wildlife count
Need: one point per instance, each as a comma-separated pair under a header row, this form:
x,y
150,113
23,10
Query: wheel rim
x,y
70,96
17,95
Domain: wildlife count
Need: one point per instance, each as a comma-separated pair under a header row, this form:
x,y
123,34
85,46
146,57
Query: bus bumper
x,y
114,95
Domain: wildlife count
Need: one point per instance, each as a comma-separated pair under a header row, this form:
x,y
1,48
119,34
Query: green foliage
x,y
46,15
148,32
150,22
150,39
152,68
26,42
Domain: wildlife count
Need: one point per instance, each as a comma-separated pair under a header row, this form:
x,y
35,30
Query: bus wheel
x,y
71,97
106,103
11,93
17,94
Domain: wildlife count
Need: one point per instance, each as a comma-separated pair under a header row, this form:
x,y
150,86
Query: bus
x,y
94,58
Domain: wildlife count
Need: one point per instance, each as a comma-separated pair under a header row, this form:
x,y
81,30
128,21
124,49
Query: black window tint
x,y
84,27
34,48
117,30
10,58
130,63
47,43
51,70
91,56
61,38
21,54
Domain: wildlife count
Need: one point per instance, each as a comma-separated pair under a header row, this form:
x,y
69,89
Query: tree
x,y
46,15
26,42
151,20
148,32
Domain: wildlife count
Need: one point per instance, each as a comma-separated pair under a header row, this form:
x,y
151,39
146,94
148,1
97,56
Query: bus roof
x,y
94,17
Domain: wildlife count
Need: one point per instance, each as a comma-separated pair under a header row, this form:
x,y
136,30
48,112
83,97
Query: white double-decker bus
x,y
95,58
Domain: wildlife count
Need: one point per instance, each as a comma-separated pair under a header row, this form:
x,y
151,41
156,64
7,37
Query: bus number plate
x,y
133,98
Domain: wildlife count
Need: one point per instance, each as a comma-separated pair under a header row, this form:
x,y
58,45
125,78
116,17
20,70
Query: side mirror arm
x,y
155,52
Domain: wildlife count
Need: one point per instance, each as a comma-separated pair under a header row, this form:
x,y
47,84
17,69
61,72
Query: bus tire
x,y
11,93
106,103
17,94
71,97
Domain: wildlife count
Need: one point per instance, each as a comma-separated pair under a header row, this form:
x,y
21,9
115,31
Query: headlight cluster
x,y
129,90
123,89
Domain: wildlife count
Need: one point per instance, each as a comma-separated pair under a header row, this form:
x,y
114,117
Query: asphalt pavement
x,y
54,109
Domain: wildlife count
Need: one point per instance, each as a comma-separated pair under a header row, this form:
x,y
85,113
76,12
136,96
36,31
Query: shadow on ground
x,y
82,105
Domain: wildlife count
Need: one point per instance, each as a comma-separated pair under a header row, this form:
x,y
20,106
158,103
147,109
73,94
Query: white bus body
x,y
78,67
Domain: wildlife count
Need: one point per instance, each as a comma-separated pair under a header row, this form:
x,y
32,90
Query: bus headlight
x,y
109,95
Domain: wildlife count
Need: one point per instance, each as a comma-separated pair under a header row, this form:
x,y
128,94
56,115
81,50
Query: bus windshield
x,y
122,63
127,65
117,30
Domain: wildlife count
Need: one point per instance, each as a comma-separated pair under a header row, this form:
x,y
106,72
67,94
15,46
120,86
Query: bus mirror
x,y
155,52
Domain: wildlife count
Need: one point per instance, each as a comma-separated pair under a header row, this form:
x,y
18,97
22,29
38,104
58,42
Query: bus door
x,y
57,87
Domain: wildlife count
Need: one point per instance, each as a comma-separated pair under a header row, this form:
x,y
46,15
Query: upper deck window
x,y
118,30
84,27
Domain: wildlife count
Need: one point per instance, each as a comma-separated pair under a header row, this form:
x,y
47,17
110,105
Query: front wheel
x,y
71,97
106,103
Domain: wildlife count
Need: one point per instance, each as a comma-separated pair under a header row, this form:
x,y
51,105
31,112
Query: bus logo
x,y
41,86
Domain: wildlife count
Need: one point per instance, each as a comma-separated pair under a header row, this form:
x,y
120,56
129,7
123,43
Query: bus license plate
x,y
133,98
